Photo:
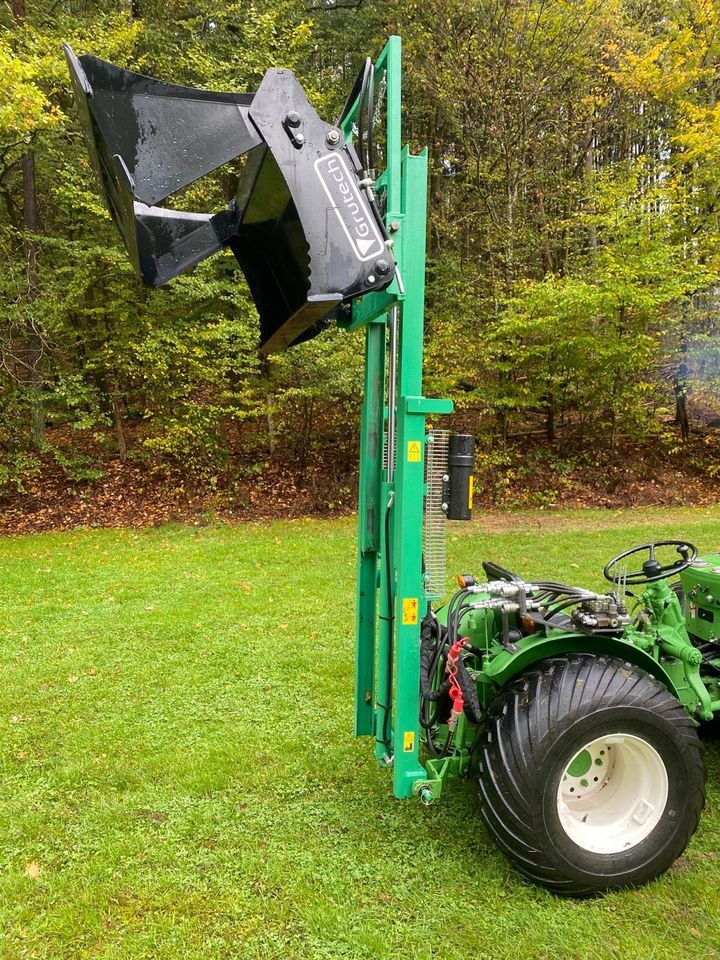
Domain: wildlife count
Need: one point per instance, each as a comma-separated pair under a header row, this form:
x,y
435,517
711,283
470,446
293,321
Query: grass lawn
x,y
179,778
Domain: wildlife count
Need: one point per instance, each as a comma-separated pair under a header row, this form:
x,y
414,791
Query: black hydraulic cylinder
x,y
461,464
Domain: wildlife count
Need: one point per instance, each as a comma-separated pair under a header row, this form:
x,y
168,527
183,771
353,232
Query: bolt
x,y
371,278
426,797
444,507
333,137
292,119
394,226
299,139
382,267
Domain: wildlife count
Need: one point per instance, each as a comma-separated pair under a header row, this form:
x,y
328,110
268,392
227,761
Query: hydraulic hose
x,y
391,628
392,415
366,80
371,121
430,652
454,616
433,642
471,701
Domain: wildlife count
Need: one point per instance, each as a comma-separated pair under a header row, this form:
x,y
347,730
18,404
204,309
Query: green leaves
x,y
573,231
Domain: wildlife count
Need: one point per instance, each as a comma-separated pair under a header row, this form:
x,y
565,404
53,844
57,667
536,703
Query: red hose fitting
x,y
455,693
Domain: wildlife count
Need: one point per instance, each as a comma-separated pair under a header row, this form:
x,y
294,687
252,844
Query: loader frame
x,y
391,592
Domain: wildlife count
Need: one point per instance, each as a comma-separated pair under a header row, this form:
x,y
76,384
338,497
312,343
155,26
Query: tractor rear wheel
x,y
592,775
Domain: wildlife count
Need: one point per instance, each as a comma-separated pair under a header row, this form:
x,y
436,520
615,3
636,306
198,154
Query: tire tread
x,y
524,723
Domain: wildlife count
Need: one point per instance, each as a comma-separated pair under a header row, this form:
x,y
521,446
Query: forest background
x,y
573,263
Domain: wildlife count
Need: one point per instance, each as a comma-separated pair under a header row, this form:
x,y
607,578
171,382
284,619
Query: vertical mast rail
x,y
391,598
369,519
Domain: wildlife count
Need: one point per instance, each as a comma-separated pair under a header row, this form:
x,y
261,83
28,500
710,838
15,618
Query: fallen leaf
x,y
32,870
73,679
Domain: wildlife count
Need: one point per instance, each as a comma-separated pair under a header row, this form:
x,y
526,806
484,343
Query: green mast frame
x,y
391,595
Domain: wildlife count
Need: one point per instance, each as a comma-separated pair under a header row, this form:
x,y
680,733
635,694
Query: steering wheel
x,y
651,569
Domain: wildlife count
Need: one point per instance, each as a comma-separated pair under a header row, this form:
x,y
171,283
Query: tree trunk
x,y
539,199
116,407
680,389
589,167
32,351
269,406
270,424
550,416
681,414
540,216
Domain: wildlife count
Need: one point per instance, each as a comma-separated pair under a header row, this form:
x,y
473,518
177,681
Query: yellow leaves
x,y
301,35
640,72
699,132
665,68
33,71
24,107
32,870
32,66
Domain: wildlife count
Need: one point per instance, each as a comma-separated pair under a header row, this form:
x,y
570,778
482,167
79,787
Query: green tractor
x,y
577,713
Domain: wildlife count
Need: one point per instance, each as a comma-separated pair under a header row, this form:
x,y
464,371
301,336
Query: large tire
x,y
581,821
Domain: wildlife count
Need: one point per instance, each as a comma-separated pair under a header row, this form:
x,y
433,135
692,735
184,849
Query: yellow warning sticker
x,y
414,451
408,741
470,492
410,610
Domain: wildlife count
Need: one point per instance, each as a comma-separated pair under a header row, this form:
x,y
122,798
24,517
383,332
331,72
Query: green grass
x,y
177,761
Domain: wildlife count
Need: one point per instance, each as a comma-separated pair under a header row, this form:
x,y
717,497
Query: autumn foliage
x,y
574,243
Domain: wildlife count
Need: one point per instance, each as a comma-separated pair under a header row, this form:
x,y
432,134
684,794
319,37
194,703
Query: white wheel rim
x,y
613,793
